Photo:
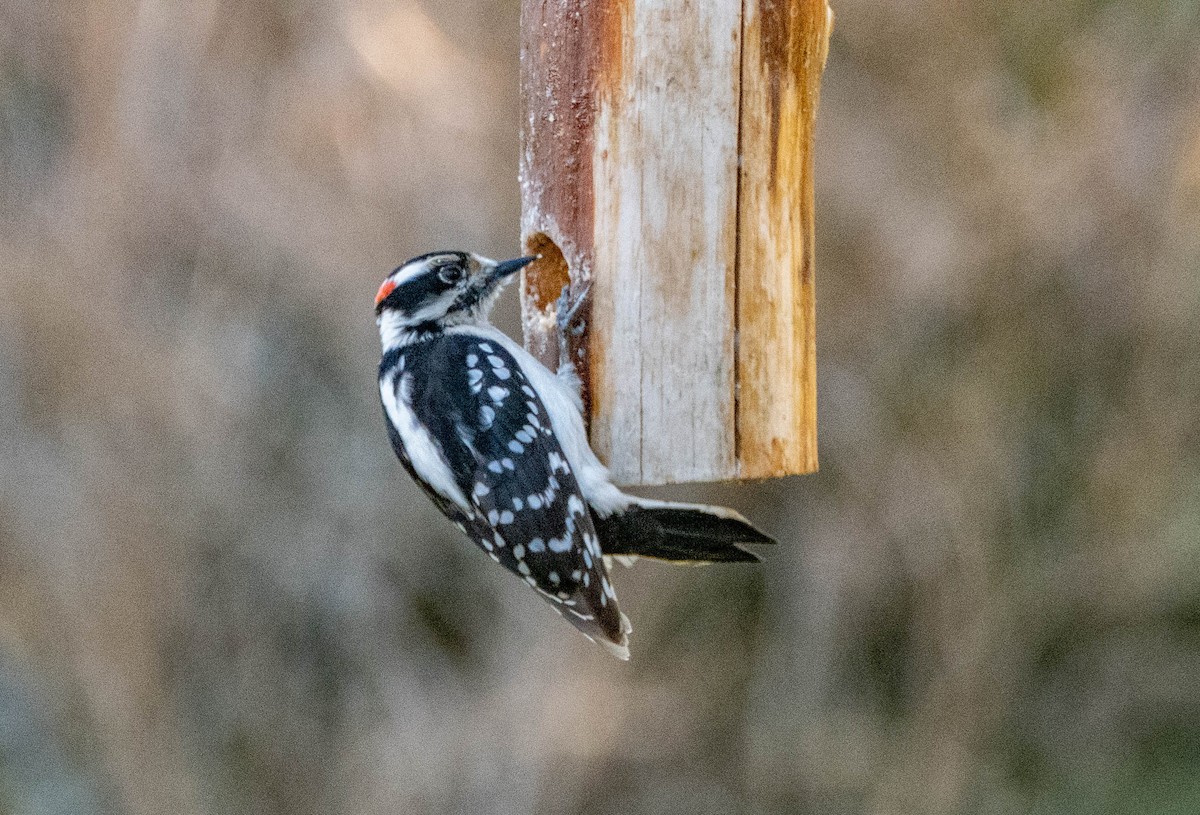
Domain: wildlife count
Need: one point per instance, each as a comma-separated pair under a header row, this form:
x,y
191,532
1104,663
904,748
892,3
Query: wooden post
x,y
699,355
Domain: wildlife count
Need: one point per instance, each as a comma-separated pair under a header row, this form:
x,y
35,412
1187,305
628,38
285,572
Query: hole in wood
x,y
544,281
545,277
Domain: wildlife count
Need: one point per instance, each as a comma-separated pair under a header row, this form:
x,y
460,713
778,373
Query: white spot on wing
x,y
558,463
607,587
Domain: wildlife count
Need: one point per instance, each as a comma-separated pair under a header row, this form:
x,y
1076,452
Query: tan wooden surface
x,y
699,359
783,51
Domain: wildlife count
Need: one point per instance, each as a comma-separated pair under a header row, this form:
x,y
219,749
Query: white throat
x,y
392,330
395,332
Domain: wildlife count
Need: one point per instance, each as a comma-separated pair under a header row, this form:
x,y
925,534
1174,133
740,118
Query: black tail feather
x,y
678,533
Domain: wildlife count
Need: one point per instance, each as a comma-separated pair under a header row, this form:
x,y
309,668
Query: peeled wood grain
x,y
665,192
699,355
784,47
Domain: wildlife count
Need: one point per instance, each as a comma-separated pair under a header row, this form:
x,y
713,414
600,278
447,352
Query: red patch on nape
x,y
387,288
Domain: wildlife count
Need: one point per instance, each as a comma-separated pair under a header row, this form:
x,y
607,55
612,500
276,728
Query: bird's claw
x,y
566,314
566,317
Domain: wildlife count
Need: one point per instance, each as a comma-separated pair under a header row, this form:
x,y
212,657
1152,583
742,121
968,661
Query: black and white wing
x,y
470,428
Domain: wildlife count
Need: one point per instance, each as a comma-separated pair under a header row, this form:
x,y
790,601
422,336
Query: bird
x,y
497,441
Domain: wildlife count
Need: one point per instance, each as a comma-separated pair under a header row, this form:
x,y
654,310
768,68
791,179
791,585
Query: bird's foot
x,y
567,312
569,324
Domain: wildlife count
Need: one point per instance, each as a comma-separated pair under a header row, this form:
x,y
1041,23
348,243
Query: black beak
x,y
510,267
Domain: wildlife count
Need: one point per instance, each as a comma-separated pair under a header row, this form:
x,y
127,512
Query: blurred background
x,y
220,593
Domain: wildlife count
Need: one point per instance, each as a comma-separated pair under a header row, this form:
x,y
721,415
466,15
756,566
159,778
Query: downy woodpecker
x,y
497,441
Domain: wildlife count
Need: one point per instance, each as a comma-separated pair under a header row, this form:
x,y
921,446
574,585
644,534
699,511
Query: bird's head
x,y
439,290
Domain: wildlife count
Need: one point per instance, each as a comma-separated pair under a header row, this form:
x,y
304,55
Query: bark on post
x,y
699,355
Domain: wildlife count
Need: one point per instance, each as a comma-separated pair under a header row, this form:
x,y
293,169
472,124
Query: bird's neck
x,y
395,332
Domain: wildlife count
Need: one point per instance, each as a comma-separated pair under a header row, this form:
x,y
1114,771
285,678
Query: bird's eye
x,y
450,273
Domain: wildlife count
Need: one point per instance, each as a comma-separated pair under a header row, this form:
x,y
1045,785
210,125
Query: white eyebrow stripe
x,y
414,268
